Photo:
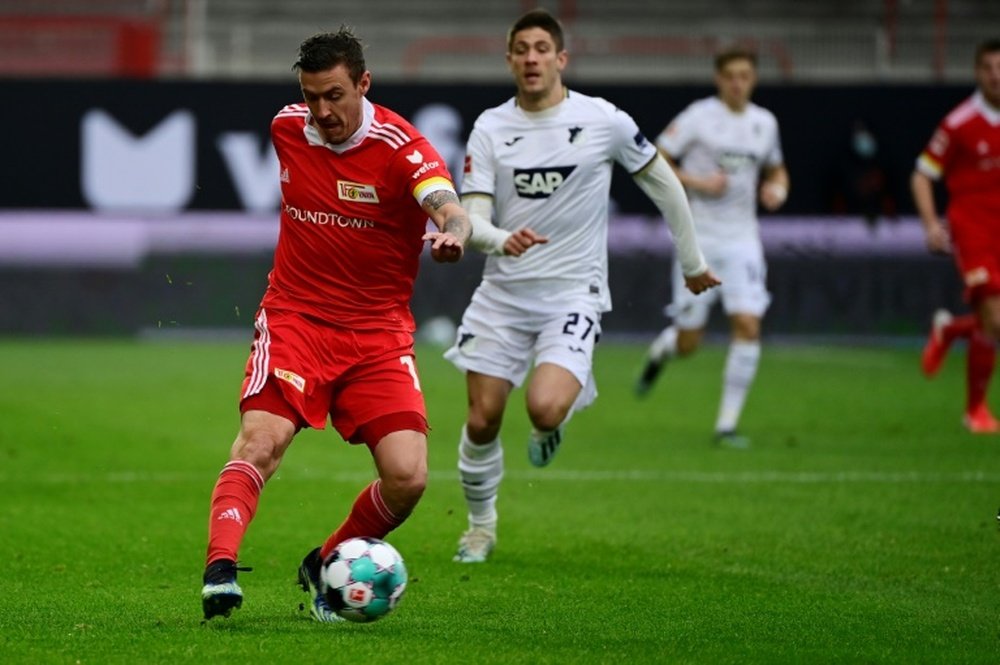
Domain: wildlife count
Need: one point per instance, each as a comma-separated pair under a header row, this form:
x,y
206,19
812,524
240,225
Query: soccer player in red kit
x,y
965,151
334,332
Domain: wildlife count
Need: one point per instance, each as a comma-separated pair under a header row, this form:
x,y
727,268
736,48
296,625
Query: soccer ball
x,y
363,579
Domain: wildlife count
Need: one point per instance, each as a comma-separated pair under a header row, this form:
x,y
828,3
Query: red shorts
x,y
977,253
304,370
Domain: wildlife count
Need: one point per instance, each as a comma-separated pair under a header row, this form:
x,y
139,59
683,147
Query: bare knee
x,y
989,318
407,486
401,459
551,394
487,401
991,330
688,341
745,327
262,446
548,411
402,489
482,426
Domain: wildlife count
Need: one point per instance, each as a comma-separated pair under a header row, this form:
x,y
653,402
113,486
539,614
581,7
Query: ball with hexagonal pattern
x,y
363,579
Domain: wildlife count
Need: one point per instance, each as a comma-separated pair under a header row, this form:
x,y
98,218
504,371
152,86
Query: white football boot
x,y
475,545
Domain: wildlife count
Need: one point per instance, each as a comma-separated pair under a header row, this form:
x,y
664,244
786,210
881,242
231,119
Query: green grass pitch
x,y
860,527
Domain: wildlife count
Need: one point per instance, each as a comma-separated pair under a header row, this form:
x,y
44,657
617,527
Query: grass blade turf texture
x,y
860,527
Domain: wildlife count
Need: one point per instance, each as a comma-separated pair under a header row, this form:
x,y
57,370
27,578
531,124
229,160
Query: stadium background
x,y
139,195
860,527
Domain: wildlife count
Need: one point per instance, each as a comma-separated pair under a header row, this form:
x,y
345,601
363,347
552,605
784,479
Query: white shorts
x,y
743,272
505,335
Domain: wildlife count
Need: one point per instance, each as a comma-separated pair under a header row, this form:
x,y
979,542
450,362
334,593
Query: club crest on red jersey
x,y
976,277
291,377
356,192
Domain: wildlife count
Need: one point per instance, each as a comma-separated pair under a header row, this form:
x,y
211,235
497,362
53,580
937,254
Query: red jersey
x,y
349,242
965,149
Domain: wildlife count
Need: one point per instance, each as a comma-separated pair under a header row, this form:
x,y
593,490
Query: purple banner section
x,y
820,236
84,239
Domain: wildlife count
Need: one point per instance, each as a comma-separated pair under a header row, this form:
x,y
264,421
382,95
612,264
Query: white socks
x,y
739,373
665,344
480,468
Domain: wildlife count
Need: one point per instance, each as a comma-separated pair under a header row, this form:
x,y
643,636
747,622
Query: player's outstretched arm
x,y
489,239
448,244
937,238
521,241
712,184
774,188
701,282
663,188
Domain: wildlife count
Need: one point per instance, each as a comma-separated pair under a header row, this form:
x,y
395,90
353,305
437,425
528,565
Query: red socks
x,y
960,326
369,517
979,367
234,502
980,357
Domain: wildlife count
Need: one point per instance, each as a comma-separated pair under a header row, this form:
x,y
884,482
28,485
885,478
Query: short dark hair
x,y
537,18
988,46
725,56
329,49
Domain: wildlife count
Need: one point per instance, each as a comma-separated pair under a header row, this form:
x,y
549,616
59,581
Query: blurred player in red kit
x,y
334,332
965,152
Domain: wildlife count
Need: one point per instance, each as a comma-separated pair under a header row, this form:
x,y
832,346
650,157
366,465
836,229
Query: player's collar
x,y
546,112
991,113
313,136
728,109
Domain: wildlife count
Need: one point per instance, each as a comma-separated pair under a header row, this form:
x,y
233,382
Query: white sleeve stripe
x,y
391,129
391,143
402,135
389,138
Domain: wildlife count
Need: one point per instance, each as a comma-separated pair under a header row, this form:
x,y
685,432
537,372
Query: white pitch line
x,y
778,477
556,475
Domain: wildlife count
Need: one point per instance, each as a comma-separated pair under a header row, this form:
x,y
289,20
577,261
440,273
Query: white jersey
x,y
708,137
551,171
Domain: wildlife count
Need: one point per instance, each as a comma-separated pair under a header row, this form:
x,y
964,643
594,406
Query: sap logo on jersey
x,y
734,162
540,183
